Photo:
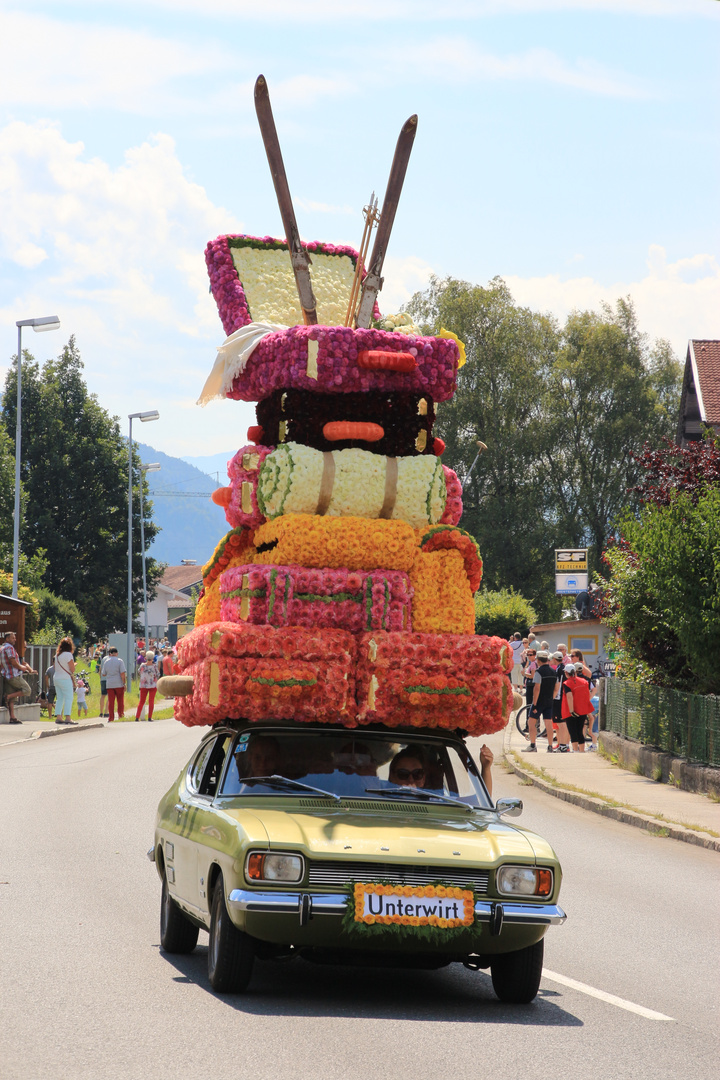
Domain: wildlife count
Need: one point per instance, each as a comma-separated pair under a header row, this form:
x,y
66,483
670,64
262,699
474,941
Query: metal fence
x,y
684,724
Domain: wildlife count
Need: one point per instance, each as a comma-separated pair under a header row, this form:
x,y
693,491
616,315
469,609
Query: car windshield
x,y
358,765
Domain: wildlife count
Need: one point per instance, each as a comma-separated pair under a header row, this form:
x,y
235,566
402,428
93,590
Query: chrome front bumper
x,y
311,904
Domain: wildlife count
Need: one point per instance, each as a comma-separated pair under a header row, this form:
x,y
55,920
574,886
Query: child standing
x,y
80,691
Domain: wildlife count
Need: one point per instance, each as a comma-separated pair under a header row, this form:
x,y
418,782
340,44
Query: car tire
x,y
177,933
231,953
516,975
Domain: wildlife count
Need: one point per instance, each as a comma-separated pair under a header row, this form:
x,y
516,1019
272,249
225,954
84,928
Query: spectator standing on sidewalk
x,y
149,675
168,662
517,647
544,681
528,673
113,670
49,680
64,679
559,724
576,705
11,669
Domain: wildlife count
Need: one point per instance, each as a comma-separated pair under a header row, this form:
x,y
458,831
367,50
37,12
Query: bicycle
x,y
521,722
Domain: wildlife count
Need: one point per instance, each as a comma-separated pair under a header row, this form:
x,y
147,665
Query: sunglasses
x,y
409,774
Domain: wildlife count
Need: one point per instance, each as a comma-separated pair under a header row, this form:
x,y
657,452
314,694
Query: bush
x,y
503,613
54,612
663,593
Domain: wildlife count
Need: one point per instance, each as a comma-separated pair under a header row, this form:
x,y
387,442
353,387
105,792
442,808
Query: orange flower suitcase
x,y
263,673
433,680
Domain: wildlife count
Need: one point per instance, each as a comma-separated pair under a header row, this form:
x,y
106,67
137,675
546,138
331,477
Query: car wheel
x,y
177,933
516,975
231,953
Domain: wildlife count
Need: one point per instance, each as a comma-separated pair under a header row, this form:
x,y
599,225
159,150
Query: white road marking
x,y
621,1003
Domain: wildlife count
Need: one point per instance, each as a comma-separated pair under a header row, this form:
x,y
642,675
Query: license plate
x,y
445,906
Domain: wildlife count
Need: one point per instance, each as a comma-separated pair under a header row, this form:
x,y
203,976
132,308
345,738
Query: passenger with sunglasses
x,y
407,769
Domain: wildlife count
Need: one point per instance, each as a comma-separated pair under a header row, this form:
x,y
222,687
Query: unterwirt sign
x,y
428,905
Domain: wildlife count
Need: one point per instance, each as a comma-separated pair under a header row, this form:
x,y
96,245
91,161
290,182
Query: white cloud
x,y
118,254
77,65
403,277
675,300
456,59
331,11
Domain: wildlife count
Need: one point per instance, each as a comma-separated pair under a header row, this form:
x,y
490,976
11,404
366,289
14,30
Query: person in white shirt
x,y
516,644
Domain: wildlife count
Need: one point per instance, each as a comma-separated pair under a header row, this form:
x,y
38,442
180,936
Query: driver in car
x,y
263,757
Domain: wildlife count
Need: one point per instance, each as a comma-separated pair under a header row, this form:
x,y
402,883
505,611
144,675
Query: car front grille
x,y
341,873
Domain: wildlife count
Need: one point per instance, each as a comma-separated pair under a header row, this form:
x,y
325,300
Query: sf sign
x,y
570,560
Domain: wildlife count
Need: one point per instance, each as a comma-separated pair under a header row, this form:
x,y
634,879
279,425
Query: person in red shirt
x,y
576,705
168,662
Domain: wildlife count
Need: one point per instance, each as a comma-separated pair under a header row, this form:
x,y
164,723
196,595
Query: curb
x,y
62,730
49,734
599,806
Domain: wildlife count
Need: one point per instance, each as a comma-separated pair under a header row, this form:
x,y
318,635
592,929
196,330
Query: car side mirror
x,y
511,807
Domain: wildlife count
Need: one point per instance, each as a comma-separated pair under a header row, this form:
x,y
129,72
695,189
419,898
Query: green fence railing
x,y
684,724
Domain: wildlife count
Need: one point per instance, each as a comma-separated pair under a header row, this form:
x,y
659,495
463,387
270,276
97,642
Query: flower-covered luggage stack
x,y
344,591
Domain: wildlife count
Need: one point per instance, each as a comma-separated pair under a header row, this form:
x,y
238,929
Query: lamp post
x,y
49,322
144,417
155,467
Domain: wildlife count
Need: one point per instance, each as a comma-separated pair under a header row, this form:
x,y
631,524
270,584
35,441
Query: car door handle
x,y
181,808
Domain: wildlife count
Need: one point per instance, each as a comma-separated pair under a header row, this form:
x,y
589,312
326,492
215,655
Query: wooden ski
x,y
373,282
298,255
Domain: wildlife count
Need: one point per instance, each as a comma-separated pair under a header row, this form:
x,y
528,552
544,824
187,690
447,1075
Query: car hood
x,y
353,834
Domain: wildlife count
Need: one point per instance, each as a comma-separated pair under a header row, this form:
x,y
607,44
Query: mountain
x,y
191,525
214,465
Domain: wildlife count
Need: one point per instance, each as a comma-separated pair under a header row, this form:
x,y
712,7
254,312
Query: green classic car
x,y
371,846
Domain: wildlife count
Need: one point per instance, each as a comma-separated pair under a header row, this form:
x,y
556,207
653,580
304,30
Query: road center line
x,y
621,1003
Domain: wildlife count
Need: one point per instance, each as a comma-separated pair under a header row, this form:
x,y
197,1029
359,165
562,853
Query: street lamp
x,y
49,322
144,417
155,467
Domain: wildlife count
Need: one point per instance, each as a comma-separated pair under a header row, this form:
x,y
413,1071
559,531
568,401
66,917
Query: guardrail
x,y
684,724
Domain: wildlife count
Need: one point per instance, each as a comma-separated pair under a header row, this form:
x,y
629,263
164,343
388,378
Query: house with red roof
x,y
700,400
172,598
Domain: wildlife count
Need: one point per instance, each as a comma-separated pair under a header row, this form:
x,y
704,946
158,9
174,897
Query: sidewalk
x,y
593,782
42,729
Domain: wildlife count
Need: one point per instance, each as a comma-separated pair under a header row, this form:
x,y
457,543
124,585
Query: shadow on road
x,y
299,988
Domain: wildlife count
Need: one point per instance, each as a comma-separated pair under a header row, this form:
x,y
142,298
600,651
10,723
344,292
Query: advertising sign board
x,y
570,560
570,584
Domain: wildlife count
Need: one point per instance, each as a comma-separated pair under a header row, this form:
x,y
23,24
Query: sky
x,y
569,146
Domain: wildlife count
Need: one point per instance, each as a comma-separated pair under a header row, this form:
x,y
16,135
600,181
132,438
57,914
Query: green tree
x,y
7,496
664,592
74,472
607,393
507,500
54,611
561,412
503,613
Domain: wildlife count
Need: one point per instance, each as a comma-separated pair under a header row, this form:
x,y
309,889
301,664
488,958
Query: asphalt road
x,y
86,993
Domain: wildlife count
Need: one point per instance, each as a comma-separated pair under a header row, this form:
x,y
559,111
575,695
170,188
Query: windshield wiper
x,y
419,792
282,781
